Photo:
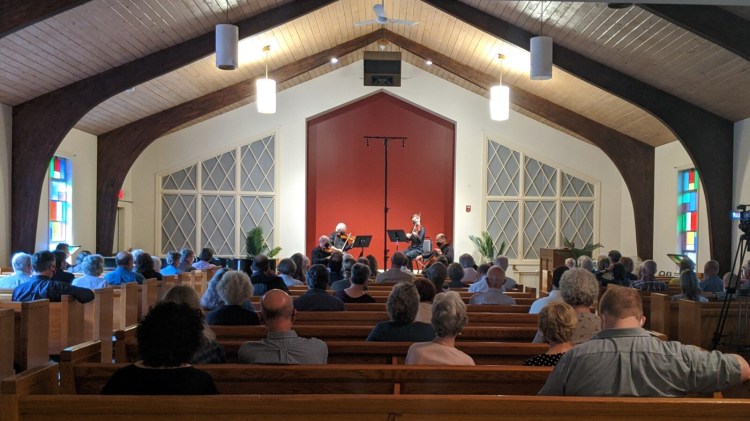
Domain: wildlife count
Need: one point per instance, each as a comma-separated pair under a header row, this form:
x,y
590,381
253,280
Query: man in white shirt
x,y
21,263
554,295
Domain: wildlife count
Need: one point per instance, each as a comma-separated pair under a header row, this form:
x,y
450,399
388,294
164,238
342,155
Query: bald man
x,y
281,345
494,294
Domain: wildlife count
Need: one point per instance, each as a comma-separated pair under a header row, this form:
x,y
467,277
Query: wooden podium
x,y
549,259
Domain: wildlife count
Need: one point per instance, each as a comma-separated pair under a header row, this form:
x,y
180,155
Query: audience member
x,y
373,263
570,263
173,260
187,257
603,272
394,274
281,344
493,295
711,281
469,267
456,273
437,273
579,289
77,268
205,259
625,360
346,282
627,263
41,286
557,322
301,265
685,264
60,266
614,256
689,284
648,280
157,264
210,351
619,276
336,267
448,319
21,263
233,289
426,291
585,262
402,306
356,292
264,279
554,295
124,273
93,267
503,262
316,298
144,265
286,270
210,300
168,337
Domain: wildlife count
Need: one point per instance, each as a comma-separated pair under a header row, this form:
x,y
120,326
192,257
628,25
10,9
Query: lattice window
x,y
535,205
60,202
687,212
214,202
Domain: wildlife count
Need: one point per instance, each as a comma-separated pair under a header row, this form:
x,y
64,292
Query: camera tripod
x,y
739,342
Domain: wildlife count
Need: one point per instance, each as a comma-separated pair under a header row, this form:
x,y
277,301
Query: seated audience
x,y
356,292
586,262
144,265
41,285
730,281
426,290
625,360
77,268
346,282
469,267
437,273
570,263
173,260
648,280
21,263
603,272
557,322
316,298
187,257
503,262
60,266
281,344
554,295
124,273
619,276
210,300
157,264
456,273
402,306
93,267
481,284
614,256
373,263
336,267
301,264
264,279
394,274
711,281
286,271
685,264
627,263
579,289
209,352
690,288
233,289
448,319
494,293
204,260
168,337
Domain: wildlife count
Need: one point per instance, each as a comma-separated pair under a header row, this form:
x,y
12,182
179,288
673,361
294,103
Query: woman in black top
x,y
557,322
60,266
233,289
356,292
144,265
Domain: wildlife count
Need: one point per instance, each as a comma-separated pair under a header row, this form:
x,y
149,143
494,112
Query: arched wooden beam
x,y
708,138
18,14
119,148
39,125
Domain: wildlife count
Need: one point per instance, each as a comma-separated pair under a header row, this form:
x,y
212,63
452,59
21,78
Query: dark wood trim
x,y
119,148
708,138
713,23
39,125
18,14
633,159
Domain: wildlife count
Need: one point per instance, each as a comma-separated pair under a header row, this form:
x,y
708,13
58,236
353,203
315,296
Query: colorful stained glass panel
x,y
60,201
687,212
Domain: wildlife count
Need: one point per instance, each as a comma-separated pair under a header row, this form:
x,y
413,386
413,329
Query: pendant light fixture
x,y
500,97
227,44
541,53
265,90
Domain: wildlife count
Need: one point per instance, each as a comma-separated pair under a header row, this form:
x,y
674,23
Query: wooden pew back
x,y
7,342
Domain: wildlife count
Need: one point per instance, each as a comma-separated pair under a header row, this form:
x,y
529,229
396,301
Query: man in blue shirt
x,y
42,286
711,281
124,273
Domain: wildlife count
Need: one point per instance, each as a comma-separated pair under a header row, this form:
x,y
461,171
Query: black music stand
x,y
397,236
362,241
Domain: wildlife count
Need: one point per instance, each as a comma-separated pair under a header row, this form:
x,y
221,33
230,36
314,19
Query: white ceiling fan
x,y
379,10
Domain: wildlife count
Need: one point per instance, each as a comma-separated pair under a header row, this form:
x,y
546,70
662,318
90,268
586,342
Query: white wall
x,y
6,137
295,105
741,172
80,148
671,158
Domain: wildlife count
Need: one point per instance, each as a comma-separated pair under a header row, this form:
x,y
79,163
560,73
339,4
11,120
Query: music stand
x,y
397,236
362,241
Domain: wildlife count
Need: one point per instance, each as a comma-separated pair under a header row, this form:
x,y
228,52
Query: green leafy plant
x,y
587,250
485,245
255,244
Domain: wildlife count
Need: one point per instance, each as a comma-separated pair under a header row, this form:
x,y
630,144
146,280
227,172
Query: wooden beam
x,y
713,23
119,148
18,14
634,159
39,125
708,138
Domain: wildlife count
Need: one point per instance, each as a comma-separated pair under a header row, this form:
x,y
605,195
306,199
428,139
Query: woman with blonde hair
x,y
557,322
210,352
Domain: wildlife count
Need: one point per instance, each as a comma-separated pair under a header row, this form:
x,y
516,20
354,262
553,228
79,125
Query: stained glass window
x,y
60,202
687,212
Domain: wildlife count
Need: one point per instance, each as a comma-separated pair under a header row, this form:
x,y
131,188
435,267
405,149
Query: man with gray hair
x,y
494,295
173,259
124,273
648,280
21,263
481,284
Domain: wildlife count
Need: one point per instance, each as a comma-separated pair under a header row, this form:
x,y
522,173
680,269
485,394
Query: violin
x,y
348,238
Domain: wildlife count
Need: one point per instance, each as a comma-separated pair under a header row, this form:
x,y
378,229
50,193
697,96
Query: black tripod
x,y
732,289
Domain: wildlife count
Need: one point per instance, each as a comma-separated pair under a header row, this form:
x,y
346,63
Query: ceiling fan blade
x,y
366,22
403,22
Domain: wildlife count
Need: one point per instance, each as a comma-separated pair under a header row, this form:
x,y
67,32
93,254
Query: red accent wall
x,y
345,176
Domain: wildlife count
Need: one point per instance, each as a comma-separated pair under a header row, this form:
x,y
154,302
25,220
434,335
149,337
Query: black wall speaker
x,y
382,68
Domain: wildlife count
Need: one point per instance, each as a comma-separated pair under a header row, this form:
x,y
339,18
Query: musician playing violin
x,y
444,247
416,237
322,253
340,239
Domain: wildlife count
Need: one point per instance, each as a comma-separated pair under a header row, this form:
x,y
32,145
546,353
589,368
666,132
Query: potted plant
x,y
485,245
587,250
255,243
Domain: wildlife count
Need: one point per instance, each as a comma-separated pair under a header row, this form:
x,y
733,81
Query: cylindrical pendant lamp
x,y
265,94
227,39
541,58
499,103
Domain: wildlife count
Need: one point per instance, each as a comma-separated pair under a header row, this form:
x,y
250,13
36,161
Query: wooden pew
x,y
470,308
41,380
167,282
30,349
99,321
126,305
370,318
65,325
149,294
697,322
7,342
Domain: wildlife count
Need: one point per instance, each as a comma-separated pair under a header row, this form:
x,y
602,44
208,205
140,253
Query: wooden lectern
x,y
549,259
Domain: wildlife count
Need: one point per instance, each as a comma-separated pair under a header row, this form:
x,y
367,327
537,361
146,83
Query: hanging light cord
x,y
266,49
502,58
228,21
541,20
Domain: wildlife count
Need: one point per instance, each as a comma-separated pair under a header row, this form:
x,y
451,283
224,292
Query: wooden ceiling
x,y
101,34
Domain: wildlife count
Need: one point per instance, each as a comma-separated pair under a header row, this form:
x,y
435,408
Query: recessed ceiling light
x,y
334,60
428,62
130,90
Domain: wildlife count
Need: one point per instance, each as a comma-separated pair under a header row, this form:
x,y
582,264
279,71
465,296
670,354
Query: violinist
x,y
322,253
444,247
341,241
416,237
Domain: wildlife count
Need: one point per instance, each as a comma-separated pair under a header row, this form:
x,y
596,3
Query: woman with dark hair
x,y
426,291
402,306
60,266
144,265
373,263
301,263
619,276
210,352
437,273
168,337
356,292
205,257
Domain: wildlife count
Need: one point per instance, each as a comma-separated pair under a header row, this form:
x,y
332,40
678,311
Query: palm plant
x,y
485,245
587,250
255,244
